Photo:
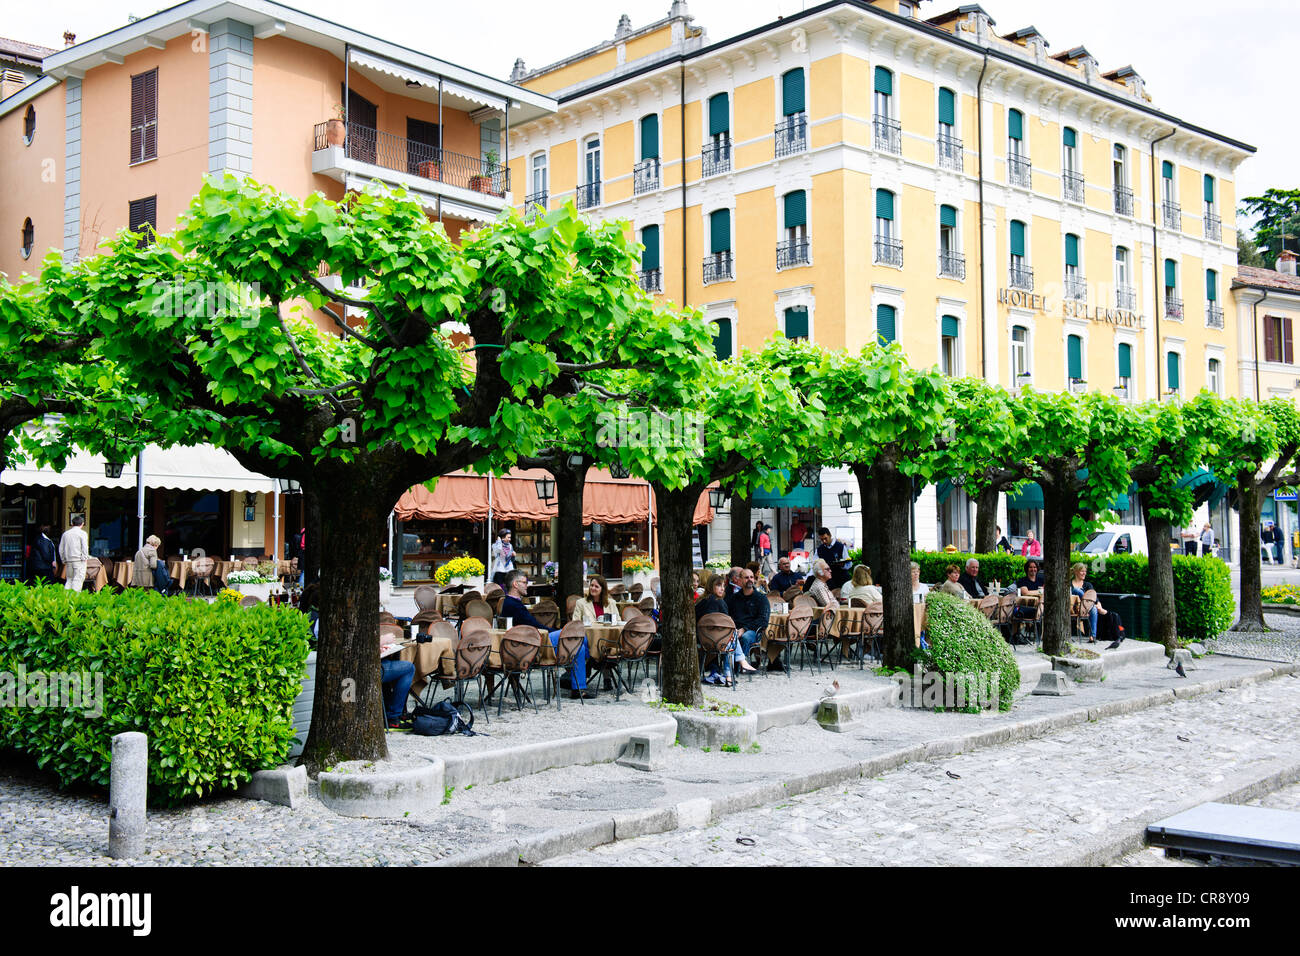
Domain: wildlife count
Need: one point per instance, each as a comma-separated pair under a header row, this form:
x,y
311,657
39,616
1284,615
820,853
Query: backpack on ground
x,y
444,717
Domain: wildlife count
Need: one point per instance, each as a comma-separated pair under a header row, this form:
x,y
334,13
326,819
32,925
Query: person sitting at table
x,y
970,579
951,582
733,580
1080,586
1032,582
760,581
596,603
146,565
919,590
512,606
820,589
750,609
395,677
784,579
715,601
861,587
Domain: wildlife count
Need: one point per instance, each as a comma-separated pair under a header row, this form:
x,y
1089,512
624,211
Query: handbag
x,y
444,717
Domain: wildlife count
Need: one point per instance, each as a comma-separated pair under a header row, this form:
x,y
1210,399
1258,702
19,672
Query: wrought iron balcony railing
x,y
952,264
1123,201
1022,277
645,176
887,134
1213,316
793,252
534,204
1173,215
1213,227
588,195
1173,307
1076,287
402,155
792,135
949,152
1072,188
1125,298
888,252
1020,171
717,157
652,280
719,267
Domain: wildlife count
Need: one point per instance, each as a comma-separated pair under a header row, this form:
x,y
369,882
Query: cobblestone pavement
x,y
1283,644
1022,803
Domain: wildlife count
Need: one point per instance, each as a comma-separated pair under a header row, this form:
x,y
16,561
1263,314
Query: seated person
x,y
750,609
1032,582
950,584
784,579
861,587
820,589
715,601
760,581
597,602
396,677
512,606
1079,586
919,590
970,579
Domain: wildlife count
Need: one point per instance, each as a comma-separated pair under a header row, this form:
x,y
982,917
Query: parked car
x,y
1118,539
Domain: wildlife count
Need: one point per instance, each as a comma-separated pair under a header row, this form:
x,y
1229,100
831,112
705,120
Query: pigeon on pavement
x,y
832,689
1178,669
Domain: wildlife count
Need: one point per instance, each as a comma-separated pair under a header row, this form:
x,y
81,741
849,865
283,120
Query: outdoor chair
x,y
553,659
806,600
629,612
201,575
843,632
1081,615
386,617
636,590
547,613
424,621
616,590
634,649
647,604
463,600
494,595
519,649
654,584
570,603
250,563
1026,615
426,597
477,608
715,633
776,600
791,593
93,567
873,629
391,633
794,635
471,658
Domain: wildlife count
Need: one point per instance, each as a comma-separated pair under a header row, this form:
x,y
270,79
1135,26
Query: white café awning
x,y
195,468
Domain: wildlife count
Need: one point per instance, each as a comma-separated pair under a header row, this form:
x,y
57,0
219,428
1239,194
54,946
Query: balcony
x,y
1125,298
1076,286
1213,316
645,176
949,153
535,203
1173,215
651,280
588,195
466,186
952,264
1072,188
1022,277
1020,172
887,134
792,135
719,267
1213,227
717,157
888,252
1173,308
793,252
1123,201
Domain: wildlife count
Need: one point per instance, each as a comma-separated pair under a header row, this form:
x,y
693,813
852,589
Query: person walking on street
x,y
503,557
74,551
1207,540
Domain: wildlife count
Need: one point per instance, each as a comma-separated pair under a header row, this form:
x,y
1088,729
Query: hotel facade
x,y
857,170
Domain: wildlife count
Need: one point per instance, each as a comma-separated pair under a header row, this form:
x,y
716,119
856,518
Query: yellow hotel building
x,y
856,170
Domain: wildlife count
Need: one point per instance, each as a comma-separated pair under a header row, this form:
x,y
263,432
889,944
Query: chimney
x,y
69,38
1286,262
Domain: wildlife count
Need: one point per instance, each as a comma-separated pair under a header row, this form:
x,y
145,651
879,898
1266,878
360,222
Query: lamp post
x,y
846,502
545,490
810,475
718,499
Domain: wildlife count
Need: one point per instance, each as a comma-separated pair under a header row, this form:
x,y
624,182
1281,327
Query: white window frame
x,y
585,160
544,167
957,310
1069,154
1129,339
1179,346
1120,161
1027,349
1079,328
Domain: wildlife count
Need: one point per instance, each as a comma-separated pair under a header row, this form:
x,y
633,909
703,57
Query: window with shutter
x,y
1071,250
719,114
1211,285
720,231
722,339
1017,238
143,213
792,96
1016,124
796,209
1167,169
1070,138
144,116
1287,357
1125,360
796,323
1272,333
1209,189
886,317
1074,357
650,136
1171,274
950,326
650,239
884,81
1173,369
884,204
947,106
948,216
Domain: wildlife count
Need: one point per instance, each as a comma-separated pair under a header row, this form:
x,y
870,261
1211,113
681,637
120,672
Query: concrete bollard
x,y
127,786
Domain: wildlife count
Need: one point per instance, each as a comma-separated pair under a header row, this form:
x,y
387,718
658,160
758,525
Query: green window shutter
x,y
722,340
650,136
1167,169
1017,237
950,326
1211,285
1074,356
884,204
947,106
796,323
796,208
948,216
1071,138
650,239
1016,124
886,316
792,100
1125,360
1071,249
1171,274
720,231
719,114
884,81
1209,188
1173,370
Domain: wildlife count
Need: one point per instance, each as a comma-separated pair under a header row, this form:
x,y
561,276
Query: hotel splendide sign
x,y
1070,309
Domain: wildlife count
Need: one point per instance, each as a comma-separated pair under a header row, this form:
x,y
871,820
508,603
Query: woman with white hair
x,y
148,569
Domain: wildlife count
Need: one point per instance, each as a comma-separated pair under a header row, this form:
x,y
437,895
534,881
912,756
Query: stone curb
x,y
393,793
1241,787
787,715
704,810
1286,610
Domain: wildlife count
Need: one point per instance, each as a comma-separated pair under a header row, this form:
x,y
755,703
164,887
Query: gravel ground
x,y
1281,645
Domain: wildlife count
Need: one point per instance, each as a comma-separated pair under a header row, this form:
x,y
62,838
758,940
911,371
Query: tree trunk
x,y
1060,507
680,662
311,518
1160,579
893,493
347,712
871,528
742,532
986,520
569,486
1252,603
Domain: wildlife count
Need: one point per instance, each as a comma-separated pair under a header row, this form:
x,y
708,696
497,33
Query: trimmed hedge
x,y
212,685
1202,585
962,641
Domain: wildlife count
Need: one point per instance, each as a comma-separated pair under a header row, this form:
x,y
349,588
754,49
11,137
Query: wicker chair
x,y
566,649
716,634
463,600
391,633
873,628
424,620
201,575
547,613
570,603
1081,615
634,648
386,618
519,648
93,567
477,608
646,604
791,593
801,636
250,563
629,612
636,590
472,652
426,597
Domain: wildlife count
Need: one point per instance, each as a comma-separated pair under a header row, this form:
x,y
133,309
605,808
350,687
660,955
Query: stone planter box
x,y
641,577
385,592
393,793
698,729
302,706
1080,669
261,591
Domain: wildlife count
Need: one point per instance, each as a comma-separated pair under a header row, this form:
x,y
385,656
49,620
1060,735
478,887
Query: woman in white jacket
x,y
503,557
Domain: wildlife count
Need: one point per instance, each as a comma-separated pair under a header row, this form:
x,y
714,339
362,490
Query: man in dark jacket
x,y
970,579
834,554
41,564
749,609
784,579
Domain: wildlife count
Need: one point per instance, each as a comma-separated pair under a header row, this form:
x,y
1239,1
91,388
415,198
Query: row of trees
x,y
563,340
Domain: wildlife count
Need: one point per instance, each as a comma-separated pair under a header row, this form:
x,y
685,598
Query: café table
x,y
99,580
596,633
123,573
434,657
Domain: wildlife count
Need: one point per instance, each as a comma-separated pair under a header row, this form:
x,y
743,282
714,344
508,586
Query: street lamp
x,y
113,469
846,502
79,503
718,499
545,489
619,470
810,475
288,486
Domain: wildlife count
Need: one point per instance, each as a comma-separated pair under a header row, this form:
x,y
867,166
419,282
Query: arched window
x,y
29,124
29,238
792,92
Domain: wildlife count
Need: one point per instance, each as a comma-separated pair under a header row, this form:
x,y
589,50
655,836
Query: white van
x,y
1118,539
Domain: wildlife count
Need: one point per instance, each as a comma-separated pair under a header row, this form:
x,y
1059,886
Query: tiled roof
x,y
26,51
1268,278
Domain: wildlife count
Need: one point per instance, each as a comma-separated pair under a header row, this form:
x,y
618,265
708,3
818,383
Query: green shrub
x,y
962,641
212,685
1202,586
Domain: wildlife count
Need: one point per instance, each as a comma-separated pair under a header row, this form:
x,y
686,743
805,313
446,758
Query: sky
x,y
1220,66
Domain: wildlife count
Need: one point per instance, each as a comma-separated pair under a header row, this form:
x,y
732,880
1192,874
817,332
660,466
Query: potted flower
x,y
251,582
461,571
483,182
550,570
385,585
430,169
637,569
336,129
